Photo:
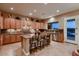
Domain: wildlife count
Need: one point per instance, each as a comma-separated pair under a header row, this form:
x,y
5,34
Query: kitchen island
x,y
25,44
31,43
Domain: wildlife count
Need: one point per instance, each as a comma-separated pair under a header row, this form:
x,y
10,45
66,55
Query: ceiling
x,y
39,10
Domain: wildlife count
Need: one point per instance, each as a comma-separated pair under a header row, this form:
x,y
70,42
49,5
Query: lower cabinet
x,y
18,38
8,39
0,40
58,36
61,36
12,38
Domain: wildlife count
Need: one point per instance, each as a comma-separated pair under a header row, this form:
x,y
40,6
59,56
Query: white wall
x,y
51,20
61,22
76,30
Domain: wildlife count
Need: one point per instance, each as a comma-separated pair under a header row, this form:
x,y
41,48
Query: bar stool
x,y
45,40
33,44
40,42
48,39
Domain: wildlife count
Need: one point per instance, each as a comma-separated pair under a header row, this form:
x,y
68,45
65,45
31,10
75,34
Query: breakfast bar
x,y
25,44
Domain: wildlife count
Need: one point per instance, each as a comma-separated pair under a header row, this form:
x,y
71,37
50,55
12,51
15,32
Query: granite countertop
x,y
27,36
15,33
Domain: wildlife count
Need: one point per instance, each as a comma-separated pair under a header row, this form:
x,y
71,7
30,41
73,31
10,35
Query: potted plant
x,y
75,52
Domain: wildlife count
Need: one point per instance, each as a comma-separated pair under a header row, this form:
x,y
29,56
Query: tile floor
x,y
54,49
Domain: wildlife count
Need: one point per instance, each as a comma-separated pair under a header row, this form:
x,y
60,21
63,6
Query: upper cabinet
x,y
41,25
22,23
12,23
1,22
34,25
37,25
18,24
1,39
7,23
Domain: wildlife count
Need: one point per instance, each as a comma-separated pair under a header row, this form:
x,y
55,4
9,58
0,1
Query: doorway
x,y
70,30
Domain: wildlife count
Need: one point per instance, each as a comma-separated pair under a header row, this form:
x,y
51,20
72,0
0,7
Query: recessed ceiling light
x,y
43,14
11,8
30,14
57,10
35,10
45,3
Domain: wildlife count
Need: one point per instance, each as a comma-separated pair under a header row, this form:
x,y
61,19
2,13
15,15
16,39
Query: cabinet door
x,y
41,25
0,40
6,39
18,38
38,25
12,23
1,22
22,23
58,36
12,38
34,25
18,24
61,36
7,23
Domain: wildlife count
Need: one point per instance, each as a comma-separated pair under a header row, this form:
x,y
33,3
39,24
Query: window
x,y
55,25
71,29
71,23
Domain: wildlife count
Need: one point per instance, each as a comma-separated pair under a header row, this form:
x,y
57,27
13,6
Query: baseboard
x,y
71,43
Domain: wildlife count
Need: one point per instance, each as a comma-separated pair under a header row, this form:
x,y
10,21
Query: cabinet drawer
x,y
6,39
18,24
1,23
18,38
6,23
12,38
12,23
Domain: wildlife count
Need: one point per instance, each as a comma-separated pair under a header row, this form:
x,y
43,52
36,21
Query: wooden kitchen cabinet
x,y
6,39
36,25
12,38
12,23
1,22
0,40
58,35
22,23
7,23
61,36
18,24
41,25
18,38
33,25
